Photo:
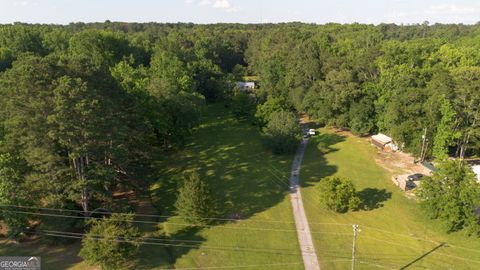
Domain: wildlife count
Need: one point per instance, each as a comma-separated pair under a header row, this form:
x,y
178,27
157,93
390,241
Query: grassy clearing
x,y
248,182
394,232
52,257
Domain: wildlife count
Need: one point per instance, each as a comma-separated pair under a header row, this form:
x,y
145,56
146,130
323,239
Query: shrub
x,y
111,242
338,194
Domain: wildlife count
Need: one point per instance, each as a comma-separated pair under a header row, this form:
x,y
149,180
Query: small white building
x,y
246,85
476,170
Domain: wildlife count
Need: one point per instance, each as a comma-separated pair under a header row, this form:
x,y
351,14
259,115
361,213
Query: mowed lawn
x,y
394,234
248,182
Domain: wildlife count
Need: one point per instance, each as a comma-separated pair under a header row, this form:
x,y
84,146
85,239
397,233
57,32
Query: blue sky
x,y
242,11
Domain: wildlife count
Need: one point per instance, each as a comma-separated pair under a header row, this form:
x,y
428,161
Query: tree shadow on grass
x,y
325,141
52,257
243,177
373,198
315,166
165,250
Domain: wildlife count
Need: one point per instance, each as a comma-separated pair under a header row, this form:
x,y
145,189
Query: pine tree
x,y
111,242
195,203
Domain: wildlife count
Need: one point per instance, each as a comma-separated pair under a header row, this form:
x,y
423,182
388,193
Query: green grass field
x,y
248,182
394,232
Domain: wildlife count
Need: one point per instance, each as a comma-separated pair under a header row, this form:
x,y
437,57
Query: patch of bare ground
x,y
399,163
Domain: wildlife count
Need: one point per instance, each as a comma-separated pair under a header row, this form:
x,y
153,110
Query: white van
x,y
311,132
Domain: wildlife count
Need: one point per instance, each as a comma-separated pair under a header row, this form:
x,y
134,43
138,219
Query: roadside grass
x,y
249,183
52,257
394,234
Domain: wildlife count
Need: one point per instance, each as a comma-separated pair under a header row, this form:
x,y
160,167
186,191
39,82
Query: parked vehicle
x,y
415,177
410,185
311,131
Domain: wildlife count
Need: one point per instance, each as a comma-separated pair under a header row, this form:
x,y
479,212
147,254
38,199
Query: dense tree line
x,y
399,80
85,108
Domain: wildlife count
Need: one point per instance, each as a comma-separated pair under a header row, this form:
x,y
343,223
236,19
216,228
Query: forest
x,y
86,109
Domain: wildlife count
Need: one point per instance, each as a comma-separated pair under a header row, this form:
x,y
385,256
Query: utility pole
x,y
355,228
423,152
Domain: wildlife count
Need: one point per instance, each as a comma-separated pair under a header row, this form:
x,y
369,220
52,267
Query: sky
x,y
241,11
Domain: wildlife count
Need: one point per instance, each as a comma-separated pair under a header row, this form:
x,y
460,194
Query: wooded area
x,y
87,108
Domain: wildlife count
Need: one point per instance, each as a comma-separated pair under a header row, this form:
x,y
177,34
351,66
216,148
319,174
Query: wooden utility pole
x,y
424,150
355,228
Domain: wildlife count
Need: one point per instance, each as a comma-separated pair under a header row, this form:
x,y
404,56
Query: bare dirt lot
x,y
399,163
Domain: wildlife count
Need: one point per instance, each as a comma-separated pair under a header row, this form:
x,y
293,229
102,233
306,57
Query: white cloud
x,y
204,2
445,13
224,4
218,4
452,9
234,9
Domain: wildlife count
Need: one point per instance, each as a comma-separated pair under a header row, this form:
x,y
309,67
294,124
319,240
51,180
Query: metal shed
x,y
383,142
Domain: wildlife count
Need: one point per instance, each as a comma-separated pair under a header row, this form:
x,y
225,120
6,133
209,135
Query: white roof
x,y
476,170
382,138
246,84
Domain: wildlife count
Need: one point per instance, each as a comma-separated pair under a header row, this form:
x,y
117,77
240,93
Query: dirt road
x,y
304,236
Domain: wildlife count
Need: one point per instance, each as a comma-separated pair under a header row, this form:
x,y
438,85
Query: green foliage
x,y
282,132
338,194
112,242
71,222
362,116
243,105
6,59
195,202
446,134
451,195
265,110
14,191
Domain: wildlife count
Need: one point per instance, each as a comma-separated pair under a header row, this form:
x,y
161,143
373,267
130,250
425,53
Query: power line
x,y
400,234
457,257
174,223
388,242
377,265
251,266
246,228
413,248
161,216
141,215
142,240
80,236
238,266
228,248
305,201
